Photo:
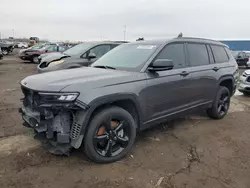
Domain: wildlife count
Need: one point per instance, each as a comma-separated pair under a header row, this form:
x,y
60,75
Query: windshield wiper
x,y
105,67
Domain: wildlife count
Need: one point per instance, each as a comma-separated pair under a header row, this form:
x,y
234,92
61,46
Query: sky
x,y
111,19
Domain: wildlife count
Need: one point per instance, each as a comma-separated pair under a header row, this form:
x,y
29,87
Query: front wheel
x,y
110,135
221,104
5,51
35,59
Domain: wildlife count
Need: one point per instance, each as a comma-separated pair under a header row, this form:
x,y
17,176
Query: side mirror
x,y
161,65
91,55
46,51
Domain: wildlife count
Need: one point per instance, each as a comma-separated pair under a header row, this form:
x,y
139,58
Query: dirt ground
x,y
191,152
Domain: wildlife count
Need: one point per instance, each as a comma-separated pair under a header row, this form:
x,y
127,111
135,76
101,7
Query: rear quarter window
x,y
220,54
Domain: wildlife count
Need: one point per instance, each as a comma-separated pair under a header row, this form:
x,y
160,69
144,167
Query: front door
x,y
169,91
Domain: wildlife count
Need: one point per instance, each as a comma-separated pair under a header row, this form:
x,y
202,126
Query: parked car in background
x,y
244,86
32,54
6,47
131,88
33,41
1,54
241,57
83,54
22,45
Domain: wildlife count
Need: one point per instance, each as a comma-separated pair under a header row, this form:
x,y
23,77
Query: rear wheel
x,y
110,135
221,104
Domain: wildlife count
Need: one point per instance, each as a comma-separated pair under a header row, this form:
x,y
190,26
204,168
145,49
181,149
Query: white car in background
x,y
244,86
22,45
248,54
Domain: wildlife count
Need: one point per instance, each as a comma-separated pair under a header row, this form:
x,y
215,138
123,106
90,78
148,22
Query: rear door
x,y
201,63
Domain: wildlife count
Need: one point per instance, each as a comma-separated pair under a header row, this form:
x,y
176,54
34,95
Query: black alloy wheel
x,y
110,135
221,104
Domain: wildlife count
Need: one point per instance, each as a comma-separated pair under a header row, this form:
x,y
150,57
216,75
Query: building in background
x,y
238,45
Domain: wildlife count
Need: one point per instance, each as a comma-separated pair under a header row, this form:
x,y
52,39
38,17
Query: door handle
x,y
184,73
216,69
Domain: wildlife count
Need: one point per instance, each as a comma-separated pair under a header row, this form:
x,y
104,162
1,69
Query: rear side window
x,y
174,52
198,54
220,54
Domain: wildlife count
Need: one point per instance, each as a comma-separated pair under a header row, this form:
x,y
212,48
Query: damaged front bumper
x,y
57,125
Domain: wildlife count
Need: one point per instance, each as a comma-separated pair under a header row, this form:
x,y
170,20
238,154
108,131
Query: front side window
x,y
220,54
100,50
174,52
198,54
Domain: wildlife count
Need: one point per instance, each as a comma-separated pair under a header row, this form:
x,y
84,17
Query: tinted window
x,y
174,52
198,54
220,54
99,51
210,54
62,48
52,49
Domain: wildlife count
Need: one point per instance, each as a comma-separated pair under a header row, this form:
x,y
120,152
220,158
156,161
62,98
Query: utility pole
x,y
13,33
124,32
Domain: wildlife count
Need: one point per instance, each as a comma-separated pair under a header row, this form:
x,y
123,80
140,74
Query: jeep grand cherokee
x,y
131,88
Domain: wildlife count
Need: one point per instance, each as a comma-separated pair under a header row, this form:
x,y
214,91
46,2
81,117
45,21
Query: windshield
x,y
78,49
127,56
36,47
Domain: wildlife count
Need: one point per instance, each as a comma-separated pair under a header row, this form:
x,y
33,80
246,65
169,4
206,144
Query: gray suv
x,y
131,88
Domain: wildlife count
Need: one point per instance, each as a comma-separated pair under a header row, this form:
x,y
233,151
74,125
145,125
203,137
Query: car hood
x,y
53,57
247,72
85,77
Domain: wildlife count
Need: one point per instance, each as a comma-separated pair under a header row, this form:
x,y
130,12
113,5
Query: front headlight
x,y
56,63
58,97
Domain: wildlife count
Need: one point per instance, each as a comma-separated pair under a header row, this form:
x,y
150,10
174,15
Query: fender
x,y
228,77
73,66
109,99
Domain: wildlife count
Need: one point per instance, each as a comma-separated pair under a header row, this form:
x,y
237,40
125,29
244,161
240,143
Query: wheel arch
x,y
228,82
128,102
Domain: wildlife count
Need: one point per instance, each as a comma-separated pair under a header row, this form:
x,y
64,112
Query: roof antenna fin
x,y
180,35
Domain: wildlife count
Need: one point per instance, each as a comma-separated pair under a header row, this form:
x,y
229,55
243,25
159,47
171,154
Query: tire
x,y
5,52
246,93
217,111
35,59
97,122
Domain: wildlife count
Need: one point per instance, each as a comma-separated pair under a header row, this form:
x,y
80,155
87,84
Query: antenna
x,y
124,32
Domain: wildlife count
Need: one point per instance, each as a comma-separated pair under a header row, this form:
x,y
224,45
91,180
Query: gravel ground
x,y
190,152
